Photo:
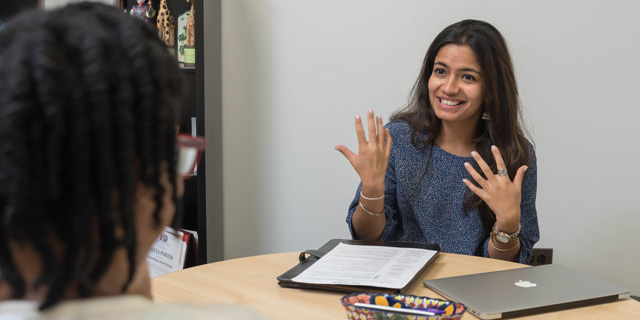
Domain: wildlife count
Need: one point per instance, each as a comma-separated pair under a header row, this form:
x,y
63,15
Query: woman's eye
x,y
468,77
439,71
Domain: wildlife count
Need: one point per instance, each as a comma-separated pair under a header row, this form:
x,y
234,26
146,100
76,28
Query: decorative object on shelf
x,y
189,46
166,27
143,11
182,35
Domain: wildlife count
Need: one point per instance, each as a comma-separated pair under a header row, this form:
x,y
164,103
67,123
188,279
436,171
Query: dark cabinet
x,y
11,8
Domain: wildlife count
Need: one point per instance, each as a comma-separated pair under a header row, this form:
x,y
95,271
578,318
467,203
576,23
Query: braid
x,y
45,134
88,102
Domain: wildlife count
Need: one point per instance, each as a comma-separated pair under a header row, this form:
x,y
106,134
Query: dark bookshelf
x,y
194,199
11,8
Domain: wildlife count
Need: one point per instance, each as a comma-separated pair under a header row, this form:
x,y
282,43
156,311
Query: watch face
x,y
502,238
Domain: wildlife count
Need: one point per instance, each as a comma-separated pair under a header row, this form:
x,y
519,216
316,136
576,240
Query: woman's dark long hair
x,y
88,109
501,102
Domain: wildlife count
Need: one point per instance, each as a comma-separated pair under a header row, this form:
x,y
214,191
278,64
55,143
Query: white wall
x,y
296,72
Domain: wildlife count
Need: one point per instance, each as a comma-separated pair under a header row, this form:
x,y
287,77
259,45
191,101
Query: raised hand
x,y
373,155
501,194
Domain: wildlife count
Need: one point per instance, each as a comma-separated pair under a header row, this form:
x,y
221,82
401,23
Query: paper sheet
x,y
167,253
377,266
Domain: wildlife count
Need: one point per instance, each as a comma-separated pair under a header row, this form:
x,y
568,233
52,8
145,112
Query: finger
x,y
380,131
475,175
362,140
387,146
346,153
498,157
479,192
517,180
372,126
483,165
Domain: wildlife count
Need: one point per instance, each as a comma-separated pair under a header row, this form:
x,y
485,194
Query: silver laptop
x,y
525,291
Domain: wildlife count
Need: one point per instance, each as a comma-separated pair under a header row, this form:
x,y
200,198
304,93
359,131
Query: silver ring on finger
x,y
503,172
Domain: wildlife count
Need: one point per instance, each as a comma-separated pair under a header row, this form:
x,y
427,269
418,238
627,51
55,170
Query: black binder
x,y
309,257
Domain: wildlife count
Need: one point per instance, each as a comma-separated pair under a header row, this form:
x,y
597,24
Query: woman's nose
x,y
451,86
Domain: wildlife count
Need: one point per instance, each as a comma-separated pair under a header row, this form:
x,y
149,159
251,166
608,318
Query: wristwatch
x,y
504,237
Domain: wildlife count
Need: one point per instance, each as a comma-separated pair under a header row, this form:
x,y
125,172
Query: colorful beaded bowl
x,y
447,309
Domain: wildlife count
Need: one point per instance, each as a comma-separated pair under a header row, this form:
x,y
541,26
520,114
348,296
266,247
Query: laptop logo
x,y
525,284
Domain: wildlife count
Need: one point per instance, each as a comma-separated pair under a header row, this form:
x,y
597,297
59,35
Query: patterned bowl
x,y
448,309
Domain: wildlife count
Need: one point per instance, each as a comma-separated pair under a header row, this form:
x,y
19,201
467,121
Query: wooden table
x,y
252,281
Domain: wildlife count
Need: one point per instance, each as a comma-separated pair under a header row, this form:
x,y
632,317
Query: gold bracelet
x,y
504,250
369,212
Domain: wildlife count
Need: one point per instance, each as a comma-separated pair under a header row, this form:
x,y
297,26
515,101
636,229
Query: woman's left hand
x,y
501,194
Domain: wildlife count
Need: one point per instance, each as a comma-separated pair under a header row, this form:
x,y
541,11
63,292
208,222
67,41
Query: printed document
x,y
361,265
167,253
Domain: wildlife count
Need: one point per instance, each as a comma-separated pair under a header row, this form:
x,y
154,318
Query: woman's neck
x,y
457,138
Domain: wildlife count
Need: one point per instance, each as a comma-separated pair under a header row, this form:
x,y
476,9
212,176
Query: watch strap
x,y
504,237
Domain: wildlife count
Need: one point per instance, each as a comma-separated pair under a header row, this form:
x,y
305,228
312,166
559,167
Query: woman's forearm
x,y
369,219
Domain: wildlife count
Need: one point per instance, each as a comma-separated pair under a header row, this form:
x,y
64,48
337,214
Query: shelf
x,y
188,70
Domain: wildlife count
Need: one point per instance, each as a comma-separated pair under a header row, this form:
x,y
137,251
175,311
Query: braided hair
x,y
88,109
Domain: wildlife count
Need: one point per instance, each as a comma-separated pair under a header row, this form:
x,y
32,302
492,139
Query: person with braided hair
x,y
89,169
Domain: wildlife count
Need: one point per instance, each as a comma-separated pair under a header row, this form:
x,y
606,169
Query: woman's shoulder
x,y
402,134
398,126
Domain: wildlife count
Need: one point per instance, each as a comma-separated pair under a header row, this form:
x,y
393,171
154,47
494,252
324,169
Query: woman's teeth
x,y
450,103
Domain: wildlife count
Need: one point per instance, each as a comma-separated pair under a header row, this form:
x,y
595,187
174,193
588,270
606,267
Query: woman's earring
x,y
485,116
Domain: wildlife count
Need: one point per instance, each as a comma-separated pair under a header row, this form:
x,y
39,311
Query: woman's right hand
x,y
373,156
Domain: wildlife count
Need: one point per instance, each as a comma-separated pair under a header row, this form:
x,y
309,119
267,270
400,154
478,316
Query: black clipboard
x,y
309,257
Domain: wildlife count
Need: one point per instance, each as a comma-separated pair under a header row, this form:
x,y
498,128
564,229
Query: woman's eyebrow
x,y
470,70
442,64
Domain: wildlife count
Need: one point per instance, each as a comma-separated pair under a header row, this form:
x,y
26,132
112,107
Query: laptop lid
x,y
519,292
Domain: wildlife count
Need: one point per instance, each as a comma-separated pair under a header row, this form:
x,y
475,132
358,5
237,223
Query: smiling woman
x,y
450,168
